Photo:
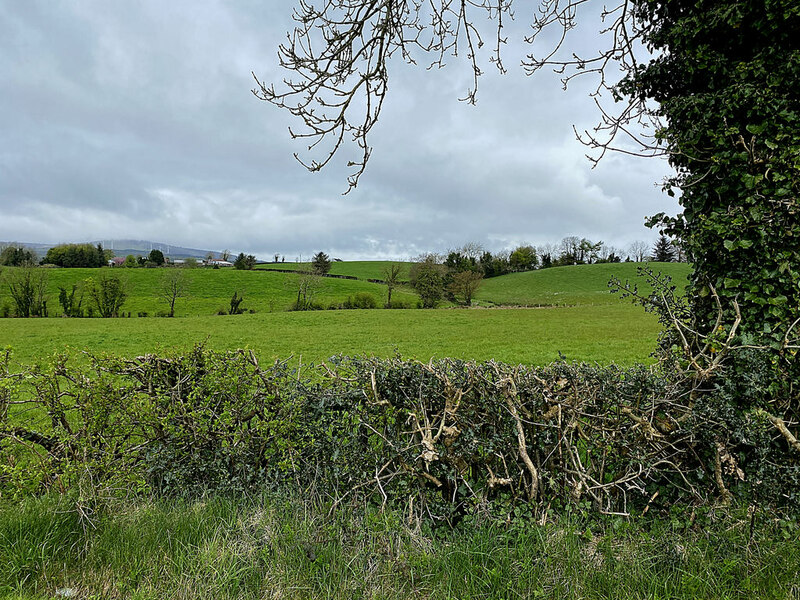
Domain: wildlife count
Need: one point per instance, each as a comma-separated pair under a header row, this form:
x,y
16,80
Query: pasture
x,y
620,334
363,269
589,324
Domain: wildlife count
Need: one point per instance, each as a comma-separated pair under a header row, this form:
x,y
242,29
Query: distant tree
x,y
108,294
608,254
156,257
16,255
76,255
568,251
457,262
589,251
427,277
639,251
472,250
494,265
174,284
28,288
523,258
236,301
190,262
464,285
663,250
391,275
275,257
71,301
131,262
321,263
307,282
244,261
225,254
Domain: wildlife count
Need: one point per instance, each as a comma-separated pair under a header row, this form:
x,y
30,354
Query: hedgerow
x,y
439,440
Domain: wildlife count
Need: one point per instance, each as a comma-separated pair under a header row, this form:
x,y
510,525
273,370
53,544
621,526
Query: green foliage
x,y
76,255
456,439
236,300
108,293
523,258
728,88
360,300
244,262
71,301
28,289
428,279
16,256
156,257
321,263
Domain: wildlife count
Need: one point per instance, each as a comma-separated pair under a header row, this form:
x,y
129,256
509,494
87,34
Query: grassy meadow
x,y
363,269
279,545
589,323
210,290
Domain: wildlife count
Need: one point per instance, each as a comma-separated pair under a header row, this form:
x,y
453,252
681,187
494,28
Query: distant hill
x,y
125,247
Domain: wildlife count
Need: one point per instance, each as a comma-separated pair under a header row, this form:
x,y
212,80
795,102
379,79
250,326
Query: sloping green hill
x,y
210,290
363,269
570,286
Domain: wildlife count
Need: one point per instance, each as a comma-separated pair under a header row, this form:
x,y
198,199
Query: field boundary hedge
x,y
441,439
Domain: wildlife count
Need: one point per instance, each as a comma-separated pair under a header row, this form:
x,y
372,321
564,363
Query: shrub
x,y
442,439
364,300
108,294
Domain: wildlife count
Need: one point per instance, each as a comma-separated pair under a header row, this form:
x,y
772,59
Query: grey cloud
x,y
137,121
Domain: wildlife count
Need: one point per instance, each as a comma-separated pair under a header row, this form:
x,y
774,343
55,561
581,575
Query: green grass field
x,y
614,333
363,269
211,289
590,324
575,285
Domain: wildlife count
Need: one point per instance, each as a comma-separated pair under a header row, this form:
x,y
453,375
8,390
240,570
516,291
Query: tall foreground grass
x,y
292,548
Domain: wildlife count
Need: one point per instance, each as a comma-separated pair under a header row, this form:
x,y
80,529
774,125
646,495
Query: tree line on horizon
x,y
572,250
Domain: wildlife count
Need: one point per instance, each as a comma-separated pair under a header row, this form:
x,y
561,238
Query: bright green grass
x,y
291,548
619,333
211,289
363,269
579,284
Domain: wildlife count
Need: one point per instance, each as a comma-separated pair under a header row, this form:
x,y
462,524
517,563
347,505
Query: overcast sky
x,y
136,120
